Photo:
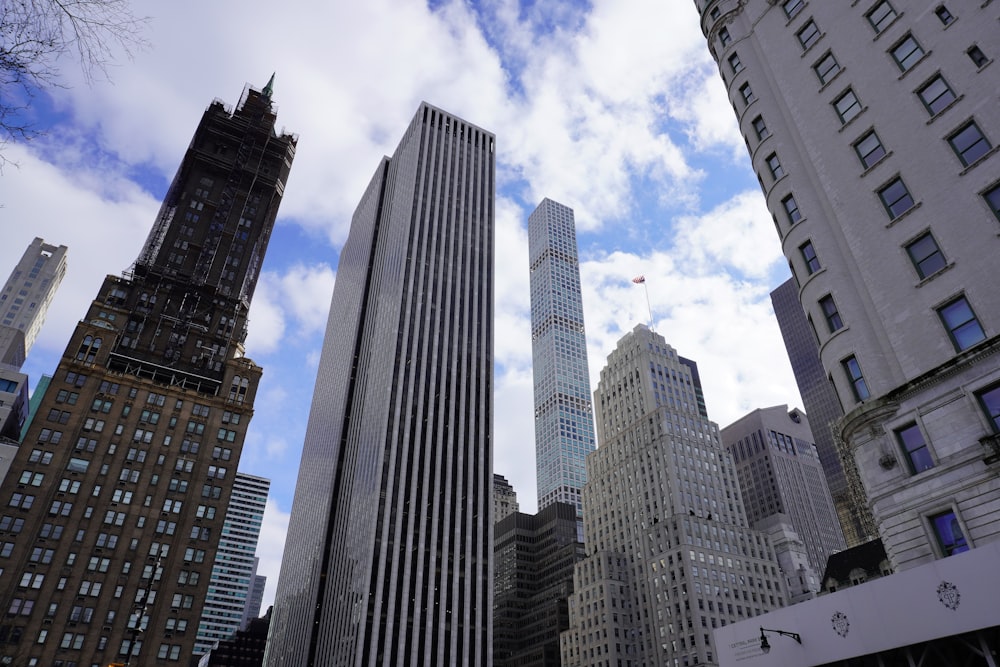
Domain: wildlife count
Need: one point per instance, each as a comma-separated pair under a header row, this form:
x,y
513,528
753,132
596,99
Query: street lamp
x,y
765,646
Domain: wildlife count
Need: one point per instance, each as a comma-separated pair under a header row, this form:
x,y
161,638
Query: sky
x,y
613,108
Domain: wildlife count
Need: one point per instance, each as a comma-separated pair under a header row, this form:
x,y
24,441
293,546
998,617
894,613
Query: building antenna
x,y
641,280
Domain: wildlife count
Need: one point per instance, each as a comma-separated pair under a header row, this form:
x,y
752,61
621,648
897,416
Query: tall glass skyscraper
x,y
235,566
388,556
564,422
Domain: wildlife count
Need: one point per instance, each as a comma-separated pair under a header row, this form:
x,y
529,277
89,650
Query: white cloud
x,y
270,547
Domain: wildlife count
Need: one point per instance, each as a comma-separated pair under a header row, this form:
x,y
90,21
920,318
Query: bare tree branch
x,y
35,36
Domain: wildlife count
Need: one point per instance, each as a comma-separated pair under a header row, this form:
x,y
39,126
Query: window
x,y
881,15
926,255
829,307
847,106
810,258
907,53
715,13
792,209
735,64
869,149
774,165
992,197
944,15
724,37
826,68
747,93
948,533
936,95
918,456
896,198
792,7
961,323
858,385
969,143
760,128
808,35
990,402
977,56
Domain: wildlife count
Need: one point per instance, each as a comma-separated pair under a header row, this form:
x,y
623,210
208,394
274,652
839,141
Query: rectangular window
x,y
774,165
810,258
992,197
906,53
724,37
936,95
948,533
792,7
977,56
969,143
808,35
896,198
918,456
926,255
760,128
944,15
735,64
826,68
747,93
869,149
990,402
792,209
857,380
829,307
847,106
880,16
961,323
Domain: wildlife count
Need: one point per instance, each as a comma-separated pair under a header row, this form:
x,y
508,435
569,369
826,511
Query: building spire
x,y
269,88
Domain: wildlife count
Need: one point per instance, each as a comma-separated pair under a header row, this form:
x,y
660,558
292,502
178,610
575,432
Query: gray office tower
x,y
389,547
564,420
819,398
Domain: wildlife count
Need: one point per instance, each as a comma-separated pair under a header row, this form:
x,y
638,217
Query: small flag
x,y
638,280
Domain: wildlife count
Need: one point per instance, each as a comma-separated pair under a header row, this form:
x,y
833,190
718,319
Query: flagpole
x,y
641,280
648,307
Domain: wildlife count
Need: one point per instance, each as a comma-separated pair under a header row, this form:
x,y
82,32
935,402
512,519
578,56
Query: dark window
x,y
858,385
992,197
847,106
944,15
808,35
724,37
735,64
869,149
969,143
747,93
829,307
949,533
774,165
961,323
881,15
809,255
907,53
715,13
977,56
936,95
926,255
792,7
826,68
918,456
760,128
896,198
792,209
990,401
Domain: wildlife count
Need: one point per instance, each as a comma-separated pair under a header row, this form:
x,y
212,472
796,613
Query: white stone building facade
x,y
670,555
873,128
